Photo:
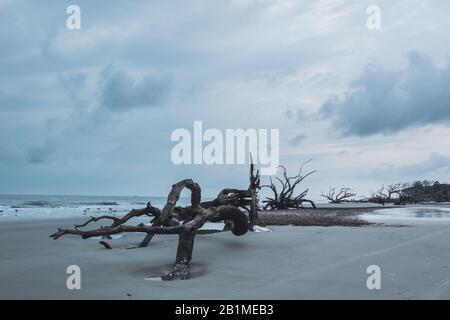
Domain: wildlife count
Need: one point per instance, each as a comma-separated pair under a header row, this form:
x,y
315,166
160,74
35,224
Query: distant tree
x,y
390,190
417,184
425,191
334,196
386,194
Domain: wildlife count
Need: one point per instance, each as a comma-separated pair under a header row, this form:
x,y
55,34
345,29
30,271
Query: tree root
x,y
105,244
174,220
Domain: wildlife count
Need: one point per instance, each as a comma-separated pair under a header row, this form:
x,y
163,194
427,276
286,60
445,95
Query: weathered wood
x,y
284,198
253,189
149,210
174,220
105,244
184,257
334,196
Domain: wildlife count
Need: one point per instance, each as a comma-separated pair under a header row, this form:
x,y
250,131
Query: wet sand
x,y
289,263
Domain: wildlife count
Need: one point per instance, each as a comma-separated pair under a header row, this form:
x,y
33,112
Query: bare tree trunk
x,y
310,202
184,256
254,186
253,215
146,240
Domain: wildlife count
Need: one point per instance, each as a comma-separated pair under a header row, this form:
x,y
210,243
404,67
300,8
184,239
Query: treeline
x,y
425,191
397,193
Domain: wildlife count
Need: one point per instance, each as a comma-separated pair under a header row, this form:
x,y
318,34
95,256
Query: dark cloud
x,y
296,140
289,114
115,92
121,92
39,154
383,101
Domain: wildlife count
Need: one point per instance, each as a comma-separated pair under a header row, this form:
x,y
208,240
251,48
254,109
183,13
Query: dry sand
x,y
288,263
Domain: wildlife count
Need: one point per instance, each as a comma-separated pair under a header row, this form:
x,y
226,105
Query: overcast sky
x,y
91,111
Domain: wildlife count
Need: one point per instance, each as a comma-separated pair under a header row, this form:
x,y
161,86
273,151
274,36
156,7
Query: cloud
x,y
121,92
296,140
232,65
39,154
384,101
416,171
67,43
436,161
98,98
73,82
300,115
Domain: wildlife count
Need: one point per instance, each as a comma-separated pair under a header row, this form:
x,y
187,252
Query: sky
x,y
91,111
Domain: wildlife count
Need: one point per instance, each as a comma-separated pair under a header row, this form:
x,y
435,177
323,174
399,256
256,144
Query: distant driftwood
x,y
343,195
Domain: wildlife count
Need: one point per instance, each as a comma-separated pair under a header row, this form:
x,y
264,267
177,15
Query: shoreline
x,y
326,215
323,215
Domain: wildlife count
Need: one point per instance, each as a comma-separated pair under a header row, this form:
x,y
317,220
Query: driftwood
x,y
340,196
184,221
385,194
285,197
253,189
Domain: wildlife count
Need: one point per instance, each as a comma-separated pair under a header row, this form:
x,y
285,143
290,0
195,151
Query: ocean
x,y
24,207
14,207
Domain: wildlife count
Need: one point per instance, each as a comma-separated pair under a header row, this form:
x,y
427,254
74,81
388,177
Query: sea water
x,y
15,207
420,213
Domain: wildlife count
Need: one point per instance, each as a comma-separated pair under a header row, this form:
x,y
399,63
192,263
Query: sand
x,y
324,217
288,263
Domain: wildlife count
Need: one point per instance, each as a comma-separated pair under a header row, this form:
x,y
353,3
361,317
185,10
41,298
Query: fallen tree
x,y
285,197
184,221
340,196
385,194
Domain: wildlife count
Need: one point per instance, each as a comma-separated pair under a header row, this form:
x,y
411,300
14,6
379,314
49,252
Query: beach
x,y
290,262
